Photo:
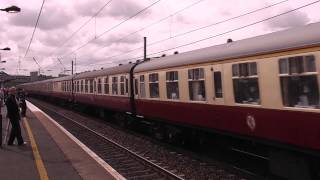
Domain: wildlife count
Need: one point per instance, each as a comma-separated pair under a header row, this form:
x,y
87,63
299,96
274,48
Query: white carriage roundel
x,y
251,122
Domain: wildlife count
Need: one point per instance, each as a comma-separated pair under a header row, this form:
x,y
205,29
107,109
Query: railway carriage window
x,y
172,85
122,85
245,83
283,66
94,86
86,86
217,84
154,85
299,85
127,85
197,91
106,85
91,86
99,86
77,87
135,86
142,87
81,86
114,85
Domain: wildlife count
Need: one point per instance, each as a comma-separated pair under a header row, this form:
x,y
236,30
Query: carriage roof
x,y
304,36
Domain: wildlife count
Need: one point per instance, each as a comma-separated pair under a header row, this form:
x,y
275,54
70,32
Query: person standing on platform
x,y
22,102
14,116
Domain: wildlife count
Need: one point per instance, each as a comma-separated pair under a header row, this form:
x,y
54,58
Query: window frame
x,y
154,80
175,79
142,82
304,73
99,86
82,86
91,86
106,87
114,84
193,78
217,82
86,86
122,85
243,76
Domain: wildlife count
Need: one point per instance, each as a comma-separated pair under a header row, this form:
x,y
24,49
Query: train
x,y
263,90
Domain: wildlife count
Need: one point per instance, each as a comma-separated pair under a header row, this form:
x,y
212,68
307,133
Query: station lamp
x,y
11,9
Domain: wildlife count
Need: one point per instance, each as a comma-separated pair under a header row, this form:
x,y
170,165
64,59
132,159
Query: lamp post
x,y
6,49
11,9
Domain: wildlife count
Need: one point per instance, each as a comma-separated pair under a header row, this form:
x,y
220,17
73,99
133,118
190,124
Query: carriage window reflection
x,y
81,85
78,86
245,83
86,86
197,91
91,85
122,85
106,85
127,85
172,85
142,87
299,86
154,85
135,86
114,85
99,86
217,84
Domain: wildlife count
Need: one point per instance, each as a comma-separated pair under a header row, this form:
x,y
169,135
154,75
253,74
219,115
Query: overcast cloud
x,y
60,19
292,20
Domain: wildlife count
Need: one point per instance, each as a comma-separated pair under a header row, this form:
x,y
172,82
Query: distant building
x,y
62,75
34,76
7,80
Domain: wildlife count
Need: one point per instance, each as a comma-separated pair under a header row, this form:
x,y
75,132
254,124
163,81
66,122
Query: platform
x,y
50,153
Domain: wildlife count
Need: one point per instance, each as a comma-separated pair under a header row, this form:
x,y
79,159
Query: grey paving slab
x,y
57,165
16,162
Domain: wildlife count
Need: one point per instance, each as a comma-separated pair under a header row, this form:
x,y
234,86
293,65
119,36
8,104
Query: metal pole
x,y
145,48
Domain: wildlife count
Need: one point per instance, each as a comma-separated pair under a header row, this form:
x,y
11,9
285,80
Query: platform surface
x,y
50,153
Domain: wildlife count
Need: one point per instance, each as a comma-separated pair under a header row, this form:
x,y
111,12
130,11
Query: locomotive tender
x,y
263,89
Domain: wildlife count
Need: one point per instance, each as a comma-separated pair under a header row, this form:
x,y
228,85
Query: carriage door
x,y
217,77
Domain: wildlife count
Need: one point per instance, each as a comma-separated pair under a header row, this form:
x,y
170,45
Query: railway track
x,y
135,157
128,163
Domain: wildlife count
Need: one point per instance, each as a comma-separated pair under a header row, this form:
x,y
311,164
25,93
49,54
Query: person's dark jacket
x,y
12,108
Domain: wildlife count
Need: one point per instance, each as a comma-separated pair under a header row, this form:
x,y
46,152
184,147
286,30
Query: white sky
x,y
60,18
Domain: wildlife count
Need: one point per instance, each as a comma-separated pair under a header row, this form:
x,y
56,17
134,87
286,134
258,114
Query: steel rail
x,y
137,156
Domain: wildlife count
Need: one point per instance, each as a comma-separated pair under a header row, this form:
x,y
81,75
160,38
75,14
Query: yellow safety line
x,y
39,163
